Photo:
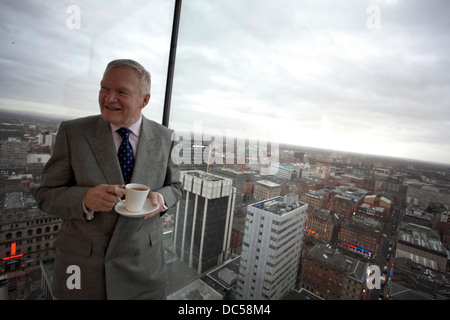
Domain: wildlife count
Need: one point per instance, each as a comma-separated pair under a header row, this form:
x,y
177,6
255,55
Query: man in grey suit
x,y
118,257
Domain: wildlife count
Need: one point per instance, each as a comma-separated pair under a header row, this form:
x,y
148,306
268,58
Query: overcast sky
x,y
365,76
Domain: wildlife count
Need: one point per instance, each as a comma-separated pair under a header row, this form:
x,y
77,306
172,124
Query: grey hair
x,y
143,74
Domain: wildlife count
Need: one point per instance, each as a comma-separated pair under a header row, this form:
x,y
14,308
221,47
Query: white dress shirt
x,y
135,129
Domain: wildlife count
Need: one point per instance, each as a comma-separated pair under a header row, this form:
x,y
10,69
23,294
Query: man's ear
x,y
146,100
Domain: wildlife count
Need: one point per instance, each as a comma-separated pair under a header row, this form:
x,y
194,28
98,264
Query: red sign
x,y
13,253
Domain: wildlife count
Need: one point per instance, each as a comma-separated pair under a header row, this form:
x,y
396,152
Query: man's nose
x,y
111,96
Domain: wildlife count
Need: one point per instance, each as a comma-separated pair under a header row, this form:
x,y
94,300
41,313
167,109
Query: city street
x,y
386,253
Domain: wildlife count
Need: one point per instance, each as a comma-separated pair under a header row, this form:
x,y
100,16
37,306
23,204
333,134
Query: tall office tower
x,y
203,219
271,248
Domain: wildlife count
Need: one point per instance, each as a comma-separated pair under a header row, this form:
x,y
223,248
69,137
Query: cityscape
x,y
313,226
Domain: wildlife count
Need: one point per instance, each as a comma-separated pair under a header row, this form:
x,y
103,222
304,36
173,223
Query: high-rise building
x,y
271,248
203,219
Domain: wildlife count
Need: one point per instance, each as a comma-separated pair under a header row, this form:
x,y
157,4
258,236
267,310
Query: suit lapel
x,y
149,143
102,145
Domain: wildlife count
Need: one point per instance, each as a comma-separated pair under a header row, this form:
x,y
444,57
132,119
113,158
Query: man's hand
x,y
156,199
103,197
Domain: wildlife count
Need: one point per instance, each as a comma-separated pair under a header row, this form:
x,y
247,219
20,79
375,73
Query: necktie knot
x,y
124,133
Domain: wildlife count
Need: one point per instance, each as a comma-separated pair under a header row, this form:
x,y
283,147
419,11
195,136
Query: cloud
x,y
315,69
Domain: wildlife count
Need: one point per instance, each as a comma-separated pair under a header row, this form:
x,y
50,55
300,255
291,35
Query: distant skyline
x,y
53,118
369,77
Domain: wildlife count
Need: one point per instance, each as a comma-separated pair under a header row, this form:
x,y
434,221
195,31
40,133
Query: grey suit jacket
x,y
118,257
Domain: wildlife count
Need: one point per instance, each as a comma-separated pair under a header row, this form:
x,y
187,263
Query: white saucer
x,y
148,208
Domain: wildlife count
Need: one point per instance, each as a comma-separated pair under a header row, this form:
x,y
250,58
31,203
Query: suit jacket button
x,y
136,253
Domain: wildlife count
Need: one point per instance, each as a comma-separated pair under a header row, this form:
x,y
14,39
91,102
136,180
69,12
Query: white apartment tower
x,y
271,248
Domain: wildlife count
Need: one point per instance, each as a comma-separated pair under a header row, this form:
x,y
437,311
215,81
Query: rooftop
x,y
280,205
317,194
326,254
14,200
323,214
421,239
269,184
196,290
203,175
206,184
419,214
226,275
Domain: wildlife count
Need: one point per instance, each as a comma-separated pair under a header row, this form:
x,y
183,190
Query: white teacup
x,y
135,196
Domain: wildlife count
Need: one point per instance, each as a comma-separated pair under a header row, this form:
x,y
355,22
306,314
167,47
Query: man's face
x,y
120,97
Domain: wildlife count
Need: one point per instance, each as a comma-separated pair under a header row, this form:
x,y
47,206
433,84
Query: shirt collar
x,y
135,127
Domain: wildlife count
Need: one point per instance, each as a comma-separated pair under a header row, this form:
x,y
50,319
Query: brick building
x,y
361,234
27,236
379,201
319,224
315,199
343,206
377,213
333,276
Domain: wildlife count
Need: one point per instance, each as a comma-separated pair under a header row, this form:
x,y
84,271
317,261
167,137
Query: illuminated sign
x,y
357,248
13,253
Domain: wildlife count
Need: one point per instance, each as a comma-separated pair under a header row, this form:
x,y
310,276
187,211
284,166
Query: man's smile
x,y
112,108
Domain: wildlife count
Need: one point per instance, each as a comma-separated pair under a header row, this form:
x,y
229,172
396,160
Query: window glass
x,y
53,53
343,75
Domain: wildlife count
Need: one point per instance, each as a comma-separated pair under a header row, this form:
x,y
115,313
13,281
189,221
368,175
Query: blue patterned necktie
x,y
125,154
